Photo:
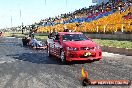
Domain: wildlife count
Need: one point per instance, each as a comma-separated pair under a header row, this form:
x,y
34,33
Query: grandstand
x,y
99,1
110,17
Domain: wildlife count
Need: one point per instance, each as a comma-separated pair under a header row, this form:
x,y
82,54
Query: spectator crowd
x,y
118,5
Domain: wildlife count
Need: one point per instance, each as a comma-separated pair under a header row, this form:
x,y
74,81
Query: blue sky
x,y
34,10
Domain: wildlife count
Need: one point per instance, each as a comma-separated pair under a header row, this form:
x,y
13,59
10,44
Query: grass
x,y
7,34
17,35
114,43
20,35
41,37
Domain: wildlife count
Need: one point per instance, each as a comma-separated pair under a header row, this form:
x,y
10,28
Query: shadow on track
x,y
38,58
42,58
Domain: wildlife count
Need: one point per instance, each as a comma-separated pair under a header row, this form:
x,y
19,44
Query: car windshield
x,y
74,37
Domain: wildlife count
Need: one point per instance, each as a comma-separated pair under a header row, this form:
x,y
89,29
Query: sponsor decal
x,y
87,53
86,81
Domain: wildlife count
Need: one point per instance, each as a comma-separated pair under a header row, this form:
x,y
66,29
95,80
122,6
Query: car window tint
x,y
76,37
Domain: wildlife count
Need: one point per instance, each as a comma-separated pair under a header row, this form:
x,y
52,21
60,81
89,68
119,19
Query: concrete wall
x,y
111,36
103,36
123,51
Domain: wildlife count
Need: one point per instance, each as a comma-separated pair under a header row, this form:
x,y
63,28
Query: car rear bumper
x,y
80,55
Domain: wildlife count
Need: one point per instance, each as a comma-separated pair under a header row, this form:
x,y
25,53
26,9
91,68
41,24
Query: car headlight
x,y
97,47
72,48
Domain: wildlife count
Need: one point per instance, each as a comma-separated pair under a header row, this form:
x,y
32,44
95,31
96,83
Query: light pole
x,y
22,29
11,21
66,3
45,2
11,25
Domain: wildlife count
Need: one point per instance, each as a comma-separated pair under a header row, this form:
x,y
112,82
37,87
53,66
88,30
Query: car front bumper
x,y
84,55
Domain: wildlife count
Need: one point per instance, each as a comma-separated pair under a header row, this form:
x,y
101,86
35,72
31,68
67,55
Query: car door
x,y
57,45
51,46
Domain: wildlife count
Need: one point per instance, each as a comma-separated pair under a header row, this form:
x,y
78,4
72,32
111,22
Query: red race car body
x,y
71,46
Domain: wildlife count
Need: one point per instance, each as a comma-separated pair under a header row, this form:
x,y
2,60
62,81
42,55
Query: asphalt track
x,y
23,67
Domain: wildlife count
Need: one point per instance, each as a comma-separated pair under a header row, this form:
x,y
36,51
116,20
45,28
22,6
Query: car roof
x,y
61,33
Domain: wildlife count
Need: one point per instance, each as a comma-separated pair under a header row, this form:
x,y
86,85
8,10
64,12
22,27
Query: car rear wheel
x,y
63,58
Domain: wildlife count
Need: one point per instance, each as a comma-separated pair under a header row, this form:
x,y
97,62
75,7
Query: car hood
x,y
80,43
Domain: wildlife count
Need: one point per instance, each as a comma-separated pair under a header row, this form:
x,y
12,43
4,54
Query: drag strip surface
x,y
23,67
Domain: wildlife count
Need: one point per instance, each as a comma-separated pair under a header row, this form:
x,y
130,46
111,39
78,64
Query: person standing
x,y
53,33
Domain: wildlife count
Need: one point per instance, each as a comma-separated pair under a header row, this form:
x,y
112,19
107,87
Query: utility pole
x,y
66,3
11,24
11,21
12,27
22,26
45,2
20,13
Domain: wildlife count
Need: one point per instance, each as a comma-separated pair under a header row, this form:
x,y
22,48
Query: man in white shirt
x,y
35,43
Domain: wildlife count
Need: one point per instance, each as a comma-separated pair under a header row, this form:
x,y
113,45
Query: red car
x,y
72,46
